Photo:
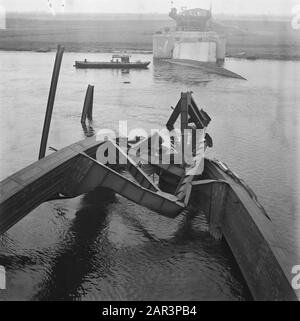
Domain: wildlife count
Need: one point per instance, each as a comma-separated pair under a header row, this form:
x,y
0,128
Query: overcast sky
x,y
278,7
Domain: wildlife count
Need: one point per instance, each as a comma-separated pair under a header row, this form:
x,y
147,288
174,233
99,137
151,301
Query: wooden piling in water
x,y
87,110
90,110
50,103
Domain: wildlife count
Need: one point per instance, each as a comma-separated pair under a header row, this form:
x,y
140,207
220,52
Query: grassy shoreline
x,y
246,39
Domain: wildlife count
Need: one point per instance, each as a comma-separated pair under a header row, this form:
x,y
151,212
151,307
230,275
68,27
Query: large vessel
x,y
117,62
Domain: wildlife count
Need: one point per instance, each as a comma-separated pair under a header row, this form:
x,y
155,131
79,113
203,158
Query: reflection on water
x,y
163,71
88,129
101,246
72,261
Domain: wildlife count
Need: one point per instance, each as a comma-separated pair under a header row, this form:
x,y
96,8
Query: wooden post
x,y
90,110
184,123
87,110
217,208
50,103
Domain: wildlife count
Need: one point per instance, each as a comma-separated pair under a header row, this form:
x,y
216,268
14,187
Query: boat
x,y
232,210
117,62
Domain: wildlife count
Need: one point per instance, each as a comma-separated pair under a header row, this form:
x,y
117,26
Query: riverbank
x,y
247,39
254,55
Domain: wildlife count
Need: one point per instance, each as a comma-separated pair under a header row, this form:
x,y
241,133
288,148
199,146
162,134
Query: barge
x,y
117,62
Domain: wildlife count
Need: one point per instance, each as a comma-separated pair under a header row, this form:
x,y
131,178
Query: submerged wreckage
x,y
231,208
194,43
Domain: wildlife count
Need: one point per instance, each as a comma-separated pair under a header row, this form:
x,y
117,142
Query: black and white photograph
x,y
149,152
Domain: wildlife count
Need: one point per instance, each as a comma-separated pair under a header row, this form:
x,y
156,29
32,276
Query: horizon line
x,y
45,12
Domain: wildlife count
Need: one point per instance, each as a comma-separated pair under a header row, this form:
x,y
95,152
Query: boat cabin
x,y
121,59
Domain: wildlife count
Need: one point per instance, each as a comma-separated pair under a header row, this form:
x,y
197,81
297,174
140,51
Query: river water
x,y
100,246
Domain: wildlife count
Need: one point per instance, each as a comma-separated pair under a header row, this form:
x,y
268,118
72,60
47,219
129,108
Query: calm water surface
x,y
101,246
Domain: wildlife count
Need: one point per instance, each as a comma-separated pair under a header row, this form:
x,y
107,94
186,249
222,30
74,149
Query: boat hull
x,y
109,65
230,210
250,234
73,171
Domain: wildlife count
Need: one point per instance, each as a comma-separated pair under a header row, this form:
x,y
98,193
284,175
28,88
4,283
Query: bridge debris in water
x,y
206,67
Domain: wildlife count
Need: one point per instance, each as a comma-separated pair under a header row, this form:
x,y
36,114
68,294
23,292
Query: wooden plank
x,y
35,184
174,116
217,208
9,187
259,265
184,122
188,194
252,238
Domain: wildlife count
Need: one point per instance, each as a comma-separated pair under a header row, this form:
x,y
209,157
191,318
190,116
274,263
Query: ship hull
x,y
111,65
